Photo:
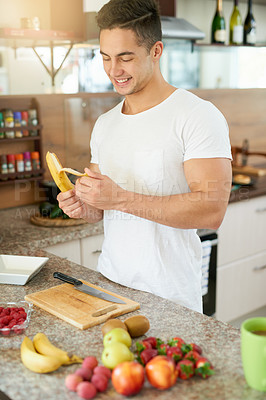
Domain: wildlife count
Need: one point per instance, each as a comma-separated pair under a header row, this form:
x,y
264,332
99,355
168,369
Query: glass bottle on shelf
x,y
250,27
24,122
27,163
218,34
9,123
2,124
236,26
4,169
33,121
17,123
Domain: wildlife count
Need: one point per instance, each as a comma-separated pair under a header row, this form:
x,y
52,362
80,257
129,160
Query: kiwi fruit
x,y
111,324
137,325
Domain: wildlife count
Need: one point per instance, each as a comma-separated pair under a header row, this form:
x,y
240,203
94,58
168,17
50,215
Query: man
x,y
160,164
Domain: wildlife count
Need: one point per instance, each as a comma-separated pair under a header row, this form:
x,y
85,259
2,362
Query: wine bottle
x,y
218,25
236,27
250,26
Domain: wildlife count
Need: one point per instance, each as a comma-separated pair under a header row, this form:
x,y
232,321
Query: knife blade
x,y
87,289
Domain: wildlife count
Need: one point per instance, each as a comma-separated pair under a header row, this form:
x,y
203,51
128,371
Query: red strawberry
x,y
192,356
196,348
175,353
147,354
185,369
155,342
203,368
162,349
176,341
140,346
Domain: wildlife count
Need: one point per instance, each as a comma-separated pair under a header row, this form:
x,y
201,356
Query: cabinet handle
x,y
96,251
261,210
259,268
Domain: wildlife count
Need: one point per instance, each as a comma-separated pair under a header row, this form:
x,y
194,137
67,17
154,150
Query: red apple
x,y
161,372
128,378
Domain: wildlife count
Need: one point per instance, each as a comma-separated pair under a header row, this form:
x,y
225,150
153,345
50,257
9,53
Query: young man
x,y
160,164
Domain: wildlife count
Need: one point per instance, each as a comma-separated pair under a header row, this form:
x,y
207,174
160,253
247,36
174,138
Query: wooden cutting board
x,y
78,308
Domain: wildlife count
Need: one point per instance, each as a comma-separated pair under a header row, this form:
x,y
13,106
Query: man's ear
x,y
157,50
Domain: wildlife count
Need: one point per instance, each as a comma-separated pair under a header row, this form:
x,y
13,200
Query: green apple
x,y
115,354
117,335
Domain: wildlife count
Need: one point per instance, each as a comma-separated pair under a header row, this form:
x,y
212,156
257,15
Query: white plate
x,y
18,270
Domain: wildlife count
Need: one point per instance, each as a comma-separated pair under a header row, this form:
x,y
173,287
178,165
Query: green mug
x,y
253,351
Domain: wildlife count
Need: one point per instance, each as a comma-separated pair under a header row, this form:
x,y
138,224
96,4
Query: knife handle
x,y
66,278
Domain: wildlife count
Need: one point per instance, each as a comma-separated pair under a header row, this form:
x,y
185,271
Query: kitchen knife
x,y
87,289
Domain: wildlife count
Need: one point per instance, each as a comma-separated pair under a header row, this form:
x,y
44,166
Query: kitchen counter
x,y
220,342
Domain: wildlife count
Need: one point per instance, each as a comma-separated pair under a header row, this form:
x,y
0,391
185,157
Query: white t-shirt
x,y
145,153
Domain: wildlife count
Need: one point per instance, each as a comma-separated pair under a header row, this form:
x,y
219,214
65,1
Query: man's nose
x,y
115,69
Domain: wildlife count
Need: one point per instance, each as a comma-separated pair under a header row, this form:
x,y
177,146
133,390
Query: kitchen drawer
x,y
241,287
68,250
243,231
90,249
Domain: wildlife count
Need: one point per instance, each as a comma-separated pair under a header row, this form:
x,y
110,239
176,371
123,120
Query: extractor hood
x,y
179,28
172,28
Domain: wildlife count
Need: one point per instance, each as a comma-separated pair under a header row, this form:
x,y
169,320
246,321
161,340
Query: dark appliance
x,y
209,299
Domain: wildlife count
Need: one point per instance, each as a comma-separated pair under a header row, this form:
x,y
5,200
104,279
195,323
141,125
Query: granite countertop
x,y
220,342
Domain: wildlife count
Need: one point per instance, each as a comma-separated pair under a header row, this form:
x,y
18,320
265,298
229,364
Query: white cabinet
x,y
241,272
84,251
69,250
90,249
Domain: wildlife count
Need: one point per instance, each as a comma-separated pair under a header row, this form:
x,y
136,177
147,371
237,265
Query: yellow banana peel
x,y
59,173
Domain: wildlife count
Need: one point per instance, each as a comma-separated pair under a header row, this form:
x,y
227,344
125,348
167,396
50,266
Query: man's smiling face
x,y
128,65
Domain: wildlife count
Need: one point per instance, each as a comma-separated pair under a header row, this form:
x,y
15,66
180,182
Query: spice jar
x,y
11,164
9,123
27,163
4,169
17,123
19,163
33,121
24,122
2,124
35,160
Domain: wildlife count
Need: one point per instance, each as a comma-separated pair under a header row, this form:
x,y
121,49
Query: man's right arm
x,y
74,207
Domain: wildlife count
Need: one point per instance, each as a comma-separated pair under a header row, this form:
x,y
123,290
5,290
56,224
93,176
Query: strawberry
x,y
162,349
175,353
192,356
203,368
146,355
196,348
140,346
176,341
185,369
155,342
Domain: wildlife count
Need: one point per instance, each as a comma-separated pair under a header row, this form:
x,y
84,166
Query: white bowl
x,y
18,270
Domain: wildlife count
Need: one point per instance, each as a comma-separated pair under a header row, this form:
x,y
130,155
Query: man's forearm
x,y
185,211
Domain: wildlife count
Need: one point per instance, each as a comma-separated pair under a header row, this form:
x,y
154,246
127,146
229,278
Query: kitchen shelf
x,y
33,143
19,177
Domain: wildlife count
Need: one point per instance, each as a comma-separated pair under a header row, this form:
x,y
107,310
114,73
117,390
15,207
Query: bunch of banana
x,y
59,173
42,356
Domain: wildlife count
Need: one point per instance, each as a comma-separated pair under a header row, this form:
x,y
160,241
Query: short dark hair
x,y
141,16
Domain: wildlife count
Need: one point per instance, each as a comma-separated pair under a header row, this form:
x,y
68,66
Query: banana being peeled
x,y
43,345
37,362
59,173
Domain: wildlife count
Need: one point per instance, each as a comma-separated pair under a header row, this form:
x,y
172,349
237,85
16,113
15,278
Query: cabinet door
x,y
243,231
167,7
91,248
241,287
68,250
